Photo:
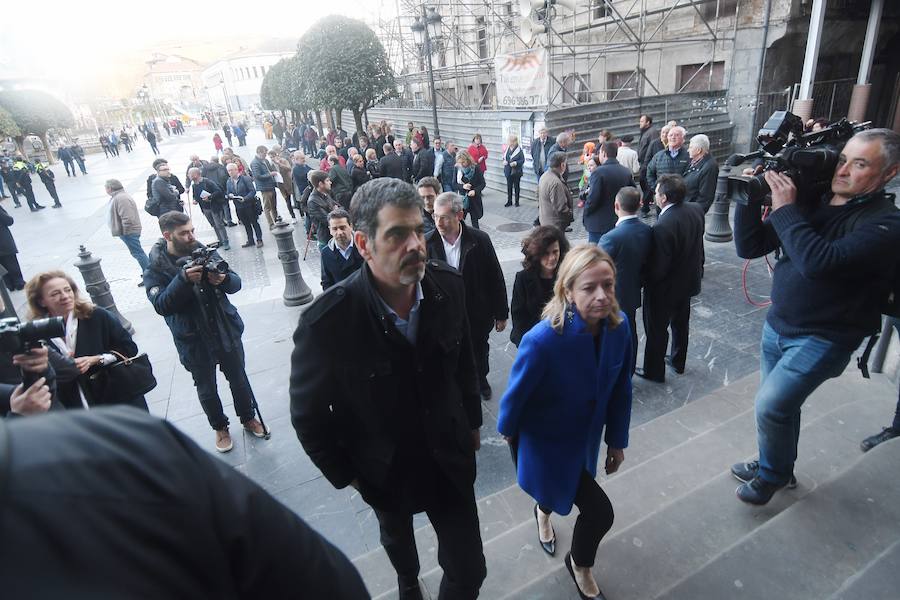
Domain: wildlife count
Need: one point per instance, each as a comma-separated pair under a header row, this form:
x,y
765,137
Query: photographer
x,y
834,273
206,327
38,398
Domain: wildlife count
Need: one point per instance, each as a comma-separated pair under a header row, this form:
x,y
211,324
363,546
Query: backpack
x,y
152,206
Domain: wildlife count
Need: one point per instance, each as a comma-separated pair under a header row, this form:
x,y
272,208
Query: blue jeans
x,y
791,369
133,241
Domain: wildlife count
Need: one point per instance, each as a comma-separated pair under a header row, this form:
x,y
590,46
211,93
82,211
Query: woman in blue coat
x,y
571,380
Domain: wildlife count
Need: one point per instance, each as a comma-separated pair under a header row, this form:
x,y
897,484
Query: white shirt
x,y
438,163
626,218
629,158
452,250
345,253
67,347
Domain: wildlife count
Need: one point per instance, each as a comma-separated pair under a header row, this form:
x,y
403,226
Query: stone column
x,y
96,286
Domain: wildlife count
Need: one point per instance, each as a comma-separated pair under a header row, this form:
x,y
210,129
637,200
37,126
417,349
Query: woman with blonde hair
x,y
571,380
94,338
470,183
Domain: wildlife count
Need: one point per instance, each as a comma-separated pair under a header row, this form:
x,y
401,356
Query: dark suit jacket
x,y
700,181
528,300
334,267
630,245
676,263
7,243
599,209
423,164
485,286
393,165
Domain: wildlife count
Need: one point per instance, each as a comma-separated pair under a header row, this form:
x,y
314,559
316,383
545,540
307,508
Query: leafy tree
x,y
35,112
8,124
355,75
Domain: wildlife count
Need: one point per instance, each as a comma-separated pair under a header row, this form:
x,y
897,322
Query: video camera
x,y
809,159
204,257
19,338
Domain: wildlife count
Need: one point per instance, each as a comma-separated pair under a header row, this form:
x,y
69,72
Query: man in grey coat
x,y
166,190
554,198
125,222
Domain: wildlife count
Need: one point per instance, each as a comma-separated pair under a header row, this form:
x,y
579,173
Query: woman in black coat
x,y
470,183
513,164
93,338
13,278
544,249
702,174
360,174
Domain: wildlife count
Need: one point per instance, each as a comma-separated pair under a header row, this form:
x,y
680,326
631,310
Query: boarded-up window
x,y
696,78
621,84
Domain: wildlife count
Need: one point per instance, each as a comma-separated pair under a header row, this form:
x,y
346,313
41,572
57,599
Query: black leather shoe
x,y
549,547
486,392
507,205
568,561
409,590
674,368
640,373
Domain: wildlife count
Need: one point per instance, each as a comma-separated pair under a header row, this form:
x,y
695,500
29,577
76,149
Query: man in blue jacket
x,y
835,273
629,244
205,326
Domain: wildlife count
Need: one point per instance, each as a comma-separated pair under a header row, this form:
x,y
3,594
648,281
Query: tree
x,y
35,112
8,124
354,75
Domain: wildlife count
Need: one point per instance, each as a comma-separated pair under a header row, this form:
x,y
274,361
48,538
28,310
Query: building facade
x,y
233,83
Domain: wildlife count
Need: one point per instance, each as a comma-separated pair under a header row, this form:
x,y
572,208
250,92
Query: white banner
x,y
521,79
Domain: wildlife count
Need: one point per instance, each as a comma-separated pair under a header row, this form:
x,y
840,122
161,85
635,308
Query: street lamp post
x,y
424,28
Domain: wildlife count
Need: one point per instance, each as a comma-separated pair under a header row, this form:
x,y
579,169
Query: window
x,y
601,10
619,82
695,78
255,73
487,94
578,86
481,37
727,8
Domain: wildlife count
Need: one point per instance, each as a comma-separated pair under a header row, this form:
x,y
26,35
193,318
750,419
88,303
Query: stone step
x,y
880,580
829,538
668,458
657,547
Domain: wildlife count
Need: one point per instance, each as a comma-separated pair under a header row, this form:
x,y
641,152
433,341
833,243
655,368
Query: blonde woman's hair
x,y
463,156
34,289
578,260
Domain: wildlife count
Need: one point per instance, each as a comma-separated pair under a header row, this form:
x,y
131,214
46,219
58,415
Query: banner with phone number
x,y
521,79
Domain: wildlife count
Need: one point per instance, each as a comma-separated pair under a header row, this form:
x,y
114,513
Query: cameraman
x,y
206,327
36,399
836,268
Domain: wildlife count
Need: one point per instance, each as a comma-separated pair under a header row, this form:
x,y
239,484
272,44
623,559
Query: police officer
x,y
206,327
48,177
22,176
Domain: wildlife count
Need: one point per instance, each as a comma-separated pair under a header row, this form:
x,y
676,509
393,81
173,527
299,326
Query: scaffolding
x,y
582,38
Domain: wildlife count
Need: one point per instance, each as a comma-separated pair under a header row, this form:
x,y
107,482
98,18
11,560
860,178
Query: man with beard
x,y
205,326
396,413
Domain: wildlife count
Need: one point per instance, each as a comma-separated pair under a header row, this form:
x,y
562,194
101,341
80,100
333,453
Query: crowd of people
x,y
397,414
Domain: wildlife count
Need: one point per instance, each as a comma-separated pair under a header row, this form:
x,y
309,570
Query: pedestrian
x,y
227,131
470,183
471,252
167,128
702,174
278,130
65,155
205,326
540,148
479,153
299,176
125,222
9,177
151,139
286,185
373,167
393,163
606,180
104,143
125,138
210,198
22,172
264,177
240,133
319,205
267,129
570,384
423,162
113,143
240,190
544,249
217,172
8,250
428,188
444,166
78,155
93,338
513,168
48,178
406,317
217,142
555,206
340,258
165,192
628,156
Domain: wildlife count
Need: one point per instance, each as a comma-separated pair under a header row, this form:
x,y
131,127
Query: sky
x,y
84,41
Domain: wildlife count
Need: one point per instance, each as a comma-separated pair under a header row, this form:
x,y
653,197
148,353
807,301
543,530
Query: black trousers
x,y
460,552
13,278
595,519
513,187
250,220
659,315
232,366
481,351
51,188
28,192
631,313
69,165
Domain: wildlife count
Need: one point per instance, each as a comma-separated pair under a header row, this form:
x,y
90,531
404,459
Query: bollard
x,y
719,229
296,292
96,286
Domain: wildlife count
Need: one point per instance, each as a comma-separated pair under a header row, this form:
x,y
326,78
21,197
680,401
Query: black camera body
x,y
19,338
204,257
809,159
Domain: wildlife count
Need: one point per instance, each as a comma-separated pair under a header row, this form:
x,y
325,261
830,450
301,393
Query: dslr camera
x,y
204,257
809,159
20,338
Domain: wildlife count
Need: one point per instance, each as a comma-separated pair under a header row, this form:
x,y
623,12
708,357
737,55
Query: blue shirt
x,y
409,327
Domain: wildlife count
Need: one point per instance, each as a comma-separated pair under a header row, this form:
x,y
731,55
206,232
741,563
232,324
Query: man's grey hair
x,y
374,195
678,128
700,141
451,199
193,170
230,166
114,185
890,144
557,160
562,139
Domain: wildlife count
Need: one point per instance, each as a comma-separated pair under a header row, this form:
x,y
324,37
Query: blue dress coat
x,y
558,401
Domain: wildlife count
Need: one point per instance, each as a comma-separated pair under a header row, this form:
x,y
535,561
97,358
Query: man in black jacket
x,y
830,284
471,252
395,413
166,191
423,162
672,159
210,197
393,163
149,512
319,204
540,152
648,134
340,258
673,278
205,326
606,180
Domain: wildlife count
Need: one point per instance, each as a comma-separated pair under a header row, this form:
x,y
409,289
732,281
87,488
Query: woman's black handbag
x,y
259,207
123,379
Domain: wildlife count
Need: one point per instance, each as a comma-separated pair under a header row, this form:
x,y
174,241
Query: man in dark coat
x,y
22,175
606,180
471,252
166,191
648,135
218,534
13,278
540,152
319,205
393,163
672,157
205,326
384,393
341,182
629,244
673,278
48,178
423,163
65,155
340,258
